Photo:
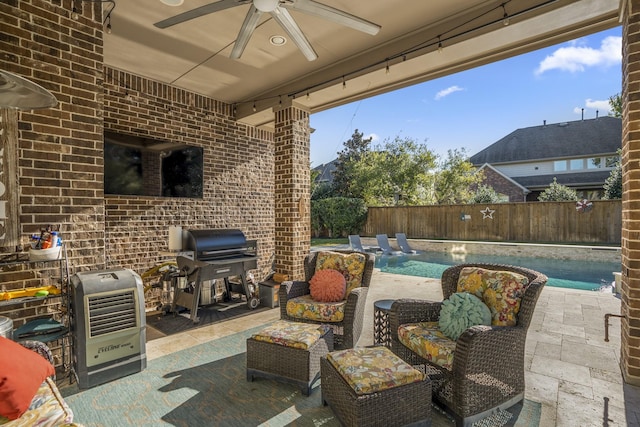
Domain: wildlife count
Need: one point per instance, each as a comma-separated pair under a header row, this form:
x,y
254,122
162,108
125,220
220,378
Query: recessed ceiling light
x,y
277,40
173,2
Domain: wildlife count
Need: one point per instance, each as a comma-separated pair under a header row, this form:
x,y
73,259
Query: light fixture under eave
x,y
21,94
277,40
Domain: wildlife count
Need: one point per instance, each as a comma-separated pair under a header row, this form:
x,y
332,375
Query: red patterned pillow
x,y
328,285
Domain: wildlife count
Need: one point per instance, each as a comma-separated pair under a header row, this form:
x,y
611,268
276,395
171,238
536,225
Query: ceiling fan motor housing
x,y
266,5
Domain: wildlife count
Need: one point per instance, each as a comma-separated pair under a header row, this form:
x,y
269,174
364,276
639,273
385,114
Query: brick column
x,y
630,308
292,186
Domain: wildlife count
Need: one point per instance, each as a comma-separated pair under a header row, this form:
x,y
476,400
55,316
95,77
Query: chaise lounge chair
x,y
401,238
385,246
355,244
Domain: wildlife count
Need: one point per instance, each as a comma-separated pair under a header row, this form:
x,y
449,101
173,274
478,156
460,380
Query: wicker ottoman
x,y
373,387
289,352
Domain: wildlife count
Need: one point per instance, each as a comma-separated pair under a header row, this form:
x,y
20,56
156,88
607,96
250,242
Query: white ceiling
x,y
194,55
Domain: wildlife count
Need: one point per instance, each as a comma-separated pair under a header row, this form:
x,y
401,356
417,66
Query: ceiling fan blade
x,y
285,20
249,24
200,11
329,13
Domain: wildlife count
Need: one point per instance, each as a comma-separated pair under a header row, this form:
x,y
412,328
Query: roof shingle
x,y
580,138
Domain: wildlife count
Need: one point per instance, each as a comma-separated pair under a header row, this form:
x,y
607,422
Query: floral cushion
x,y
427,340
46,409
350,265
500,290
327,285
291,334
370,370
305,307
461,311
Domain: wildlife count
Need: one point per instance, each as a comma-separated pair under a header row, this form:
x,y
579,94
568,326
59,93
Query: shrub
x,y
613,184
485,194
558,193
338,216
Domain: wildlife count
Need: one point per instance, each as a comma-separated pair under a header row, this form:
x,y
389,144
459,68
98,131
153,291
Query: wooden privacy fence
x,y
542,222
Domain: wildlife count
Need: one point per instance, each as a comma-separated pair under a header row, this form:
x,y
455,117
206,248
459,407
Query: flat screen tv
x,y
141,166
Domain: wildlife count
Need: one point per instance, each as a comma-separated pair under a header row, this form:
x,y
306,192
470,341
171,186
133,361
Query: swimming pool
x,y
562,273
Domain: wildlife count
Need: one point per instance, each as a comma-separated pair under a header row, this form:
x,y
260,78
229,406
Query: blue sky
x,y
475,108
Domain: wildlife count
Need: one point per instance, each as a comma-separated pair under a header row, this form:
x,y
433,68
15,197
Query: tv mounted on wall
x,y
141,166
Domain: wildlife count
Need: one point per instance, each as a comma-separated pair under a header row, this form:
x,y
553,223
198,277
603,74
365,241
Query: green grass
x,y
329,242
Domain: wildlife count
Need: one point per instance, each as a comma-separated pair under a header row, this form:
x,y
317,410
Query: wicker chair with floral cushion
x,y
483,369
344,315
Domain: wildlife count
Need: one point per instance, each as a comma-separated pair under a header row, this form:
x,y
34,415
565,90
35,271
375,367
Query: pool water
x,y
573,274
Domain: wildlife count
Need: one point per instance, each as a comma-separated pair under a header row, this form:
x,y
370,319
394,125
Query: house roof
x,y
577,179
326,171
599,136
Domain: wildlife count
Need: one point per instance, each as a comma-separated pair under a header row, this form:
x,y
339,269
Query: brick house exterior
x,y
503,185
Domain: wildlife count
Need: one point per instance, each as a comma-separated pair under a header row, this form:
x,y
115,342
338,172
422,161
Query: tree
x,y
615,102
455,178
397,174
613,183
485,194
558,193
354,150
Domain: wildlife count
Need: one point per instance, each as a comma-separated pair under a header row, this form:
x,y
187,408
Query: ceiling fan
x,y
279,10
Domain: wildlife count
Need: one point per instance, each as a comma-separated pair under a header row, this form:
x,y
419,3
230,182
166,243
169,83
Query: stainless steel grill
x,y
217,254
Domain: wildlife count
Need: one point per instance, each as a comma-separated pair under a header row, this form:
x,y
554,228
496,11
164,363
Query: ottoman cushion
x,y
291,334
289,352
390,393
369,370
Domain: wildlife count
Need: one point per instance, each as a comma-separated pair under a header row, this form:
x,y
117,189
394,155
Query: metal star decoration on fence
x,y
487,213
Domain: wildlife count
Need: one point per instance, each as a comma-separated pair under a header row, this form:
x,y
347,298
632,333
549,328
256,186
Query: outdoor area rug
x,y
206,386
170,323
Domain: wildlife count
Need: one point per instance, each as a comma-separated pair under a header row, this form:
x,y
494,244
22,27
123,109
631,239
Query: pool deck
x,y
569,367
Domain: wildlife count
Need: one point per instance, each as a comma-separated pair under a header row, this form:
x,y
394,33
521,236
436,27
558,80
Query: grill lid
x,y
215,241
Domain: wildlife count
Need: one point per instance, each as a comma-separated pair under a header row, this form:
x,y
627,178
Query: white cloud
x,y
577,58
602,107
374,137
447,91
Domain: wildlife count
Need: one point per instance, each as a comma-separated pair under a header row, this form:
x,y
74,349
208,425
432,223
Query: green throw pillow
x,y
461,311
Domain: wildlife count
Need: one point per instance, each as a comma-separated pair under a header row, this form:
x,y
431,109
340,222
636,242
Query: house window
x,y
560,165
594,163
576,164
610,162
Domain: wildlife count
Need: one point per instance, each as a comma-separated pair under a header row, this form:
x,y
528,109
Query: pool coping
x,y
555,251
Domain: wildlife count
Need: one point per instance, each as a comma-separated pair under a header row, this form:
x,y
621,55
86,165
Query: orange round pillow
x,y
328,285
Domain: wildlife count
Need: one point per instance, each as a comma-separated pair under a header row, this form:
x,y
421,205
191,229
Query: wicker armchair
x,y
488,361
347,332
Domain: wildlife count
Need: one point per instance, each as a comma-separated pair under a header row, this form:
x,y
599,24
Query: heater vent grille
x,y
111,313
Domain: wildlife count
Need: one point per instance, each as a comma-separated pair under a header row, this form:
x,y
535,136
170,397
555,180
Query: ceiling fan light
x,y
172,2
266,5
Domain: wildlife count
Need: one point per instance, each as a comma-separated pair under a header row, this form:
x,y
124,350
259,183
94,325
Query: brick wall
x,y
58,150
238,176
502,185
60,155
293,234
630,308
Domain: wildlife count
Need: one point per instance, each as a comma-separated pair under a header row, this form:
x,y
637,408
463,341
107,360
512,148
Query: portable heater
x,y
109,326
